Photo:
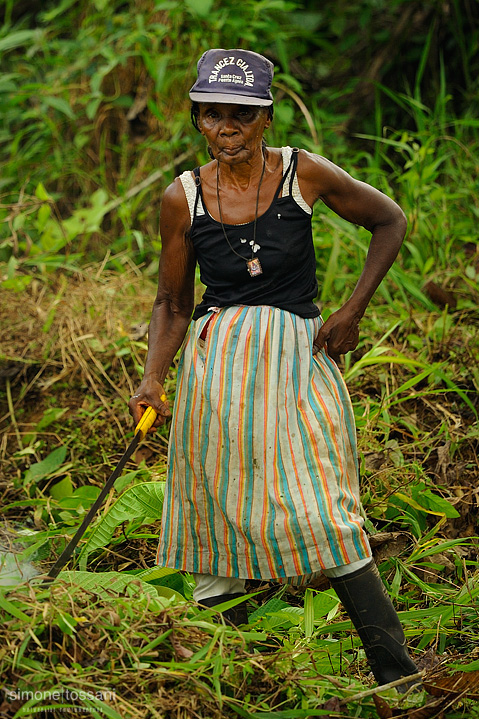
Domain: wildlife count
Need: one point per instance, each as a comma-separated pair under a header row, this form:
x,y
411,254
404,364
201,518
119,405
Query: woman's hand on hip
x,y
339,334
150,393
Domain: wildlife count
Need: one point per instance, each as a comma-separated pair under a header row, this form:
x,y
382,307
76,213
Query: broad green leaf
x,y
47,466
439,504
43,216
125,479
92,107
87,492
7,83
273,605
138,502
324,603
58,103
148,575
412,502
169,593
199,7
41,192
63,488
81,499
293,615
106,583
16,39
98,200
50,415
17,284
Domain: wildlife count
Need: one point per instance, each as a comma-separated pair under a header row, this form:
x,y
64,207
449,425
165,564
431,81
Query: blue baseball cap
x,y
240,77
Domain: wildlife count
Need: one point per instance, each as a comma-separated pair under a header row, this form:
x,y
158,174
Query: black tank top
x,y
286,253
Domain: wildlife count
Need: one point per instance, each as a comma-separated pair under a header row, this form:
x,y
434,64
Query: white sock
x,y
344,569
209,586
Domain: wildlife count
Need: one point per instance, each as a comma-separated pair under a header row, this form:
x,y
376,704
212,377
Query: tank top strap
x,y
288,161
191,187
294,167
290,178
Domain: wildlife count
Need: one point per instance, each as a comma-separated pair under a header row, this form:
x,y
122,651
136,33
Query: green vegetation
x,y
95,123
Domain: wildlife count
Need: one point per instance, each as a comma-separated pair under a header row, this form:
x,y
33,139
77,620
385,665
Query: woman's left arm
x,y
363,205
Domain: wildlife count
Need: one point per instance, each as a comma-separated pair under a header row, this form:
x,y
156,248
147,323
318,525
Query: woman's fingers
x,y
339,334
136,410
342,342
321,339
152,397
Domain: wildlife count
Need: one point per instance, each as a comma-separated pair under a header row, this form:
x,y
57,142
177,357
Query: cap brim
x,y
229,99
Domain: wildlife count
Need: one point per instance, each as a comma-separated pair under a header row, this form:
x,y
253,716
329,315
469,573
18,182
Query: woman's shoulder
x,y
175,199
318,171
312,162
174,193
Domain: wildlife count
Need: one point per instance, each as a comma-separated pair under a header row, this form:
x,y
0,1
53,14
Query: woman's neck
x,y
243,174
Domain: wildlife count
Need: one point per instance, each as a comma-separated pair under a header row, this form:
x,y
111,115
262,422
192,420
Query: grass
x,y
418,446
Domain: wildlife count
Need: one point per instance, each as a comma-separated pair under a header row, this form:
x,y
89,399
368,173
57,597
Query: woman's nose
x,y
228,127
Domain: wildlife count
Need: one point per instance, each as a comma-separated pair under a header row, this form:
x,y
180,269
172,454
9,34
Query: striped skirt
x,y
262,468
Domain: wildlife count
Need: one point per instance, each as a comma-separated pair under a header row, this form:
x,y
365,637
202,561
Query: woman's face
x,y
234,132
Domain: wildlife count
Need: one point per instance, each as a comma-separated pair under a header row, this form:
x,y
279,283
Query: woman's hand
x,y
149,394
340,333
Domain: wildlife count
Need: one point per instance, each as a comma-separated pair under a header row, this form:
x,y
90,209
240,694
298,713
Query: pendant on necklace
x,y
254,267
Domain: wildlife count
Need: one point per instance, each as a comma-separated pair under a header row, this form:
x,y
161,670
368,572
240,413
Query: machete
x,y
141,429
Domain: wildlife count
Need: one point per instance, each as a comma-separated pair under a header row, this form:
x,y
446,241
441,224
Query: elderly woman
x,y
262,470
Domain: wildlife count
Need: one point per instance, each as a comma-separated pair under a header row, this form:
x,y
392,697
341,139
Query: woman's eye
x,y
247,116
211,114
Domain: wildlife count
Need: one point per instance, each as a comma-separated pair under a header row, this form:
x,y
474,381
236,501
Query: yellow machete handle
x,y
148,419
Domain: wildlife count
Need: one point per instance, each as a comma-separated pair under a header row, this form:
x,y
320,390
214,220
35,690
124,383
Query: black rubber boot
x,y
370,609
236,615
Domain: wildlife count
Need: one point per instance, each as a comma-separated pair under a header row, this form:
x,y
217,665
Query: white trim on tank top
x,y
187,180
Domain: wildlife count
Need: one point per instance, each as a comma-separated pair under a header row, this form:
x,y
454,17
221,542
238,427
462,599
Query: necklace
x,y
253,265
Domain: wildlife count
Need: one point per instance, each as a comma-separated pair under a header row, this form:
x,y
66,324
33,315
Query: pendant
x,y
254,267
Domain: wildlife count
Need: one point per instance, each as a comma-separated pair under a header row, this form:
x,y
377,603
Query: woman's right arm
x,y
173,304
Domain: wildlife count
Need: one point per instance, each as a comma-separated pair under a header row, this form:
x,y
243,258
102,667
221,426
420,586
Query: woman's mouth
x,y
231,150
